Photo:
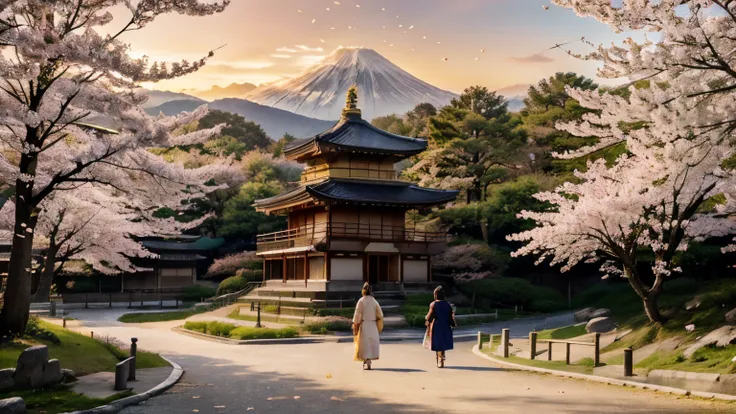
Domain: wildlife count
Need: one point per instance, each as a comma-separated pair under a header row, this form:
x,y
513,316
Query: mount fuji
x,y
383,88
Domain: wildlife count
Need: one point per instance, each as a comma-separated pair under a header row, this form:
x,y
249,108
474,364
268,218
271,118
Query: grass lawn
x,y
162,316
59,400
584,366
562,333
81,354
227,330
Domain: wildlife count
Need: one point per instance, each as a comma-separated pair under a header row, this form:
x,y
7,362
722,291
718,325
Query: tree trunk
x,y
652,309
650,297
47,278
17,297
484,230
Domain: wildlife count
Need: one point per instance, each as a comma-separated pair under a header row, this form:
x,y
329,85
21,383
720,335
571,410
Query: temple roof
x,y
354,134
201,244
378,193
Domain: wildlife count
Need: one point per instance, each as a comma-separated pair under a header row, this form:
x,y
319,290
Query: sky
x,y
263,41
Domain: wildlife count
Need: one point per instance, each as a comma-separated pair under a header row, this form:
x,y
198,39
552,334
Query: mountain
x,y
275,122
515,95
234,90
156,98
383,88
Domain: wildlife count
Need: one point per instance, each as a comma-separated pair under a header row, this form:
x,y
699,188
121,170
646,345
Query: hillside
x,y
383,87
156,98
275,122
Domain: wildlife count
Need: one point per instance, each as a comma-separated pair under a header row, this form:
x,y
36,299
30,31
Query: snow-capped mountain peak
x,y
319,92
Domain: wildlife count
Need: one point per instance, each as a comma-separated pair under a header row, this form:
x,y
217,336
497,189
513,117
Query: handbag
x,y
427,341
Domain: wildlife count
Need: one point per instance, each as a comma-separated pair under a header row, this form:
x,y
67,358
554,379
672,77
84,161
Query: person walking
x,y
367,324
439,321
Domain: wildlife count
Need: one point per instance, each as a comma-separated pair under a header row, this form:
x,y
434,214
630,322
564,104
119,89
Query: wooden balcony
x,y
313,235
324,171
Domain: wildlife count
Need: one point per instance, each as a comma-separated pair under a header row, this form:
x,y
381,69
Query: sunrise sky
x,y
267,40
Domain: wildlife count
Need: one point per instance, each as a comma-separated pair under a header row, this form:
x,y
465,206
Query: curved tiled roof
x,y
353,133
352,191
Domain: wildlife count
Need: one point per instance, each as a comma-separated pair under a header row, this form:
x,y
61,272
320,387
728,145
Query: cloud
x,y
277,56
309,49
310,60
286,50
535,58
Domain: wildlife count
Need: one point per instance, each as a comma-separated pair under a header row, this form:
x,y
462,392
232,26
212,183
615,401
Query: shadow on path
x,y
477,369
398,370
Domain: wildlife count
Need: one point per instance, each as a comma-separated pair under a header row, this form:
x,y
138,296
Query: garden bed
x,y
76,352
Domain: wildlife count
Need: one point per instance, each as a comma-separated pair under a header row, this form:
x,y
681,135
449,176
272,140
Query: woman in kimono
x,y
440,320
367,321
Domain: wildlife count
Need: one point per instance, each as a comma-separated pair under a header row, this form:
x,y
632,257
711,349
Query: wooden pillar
x,y
306,268
567,353
597,355
283,268
265,268
532,345
628,362
328,266
505,342
401,268
480,340
549,351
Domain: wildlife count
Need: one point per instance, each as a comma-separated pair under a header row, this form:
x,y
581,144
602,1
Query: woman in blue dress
x,y
440,321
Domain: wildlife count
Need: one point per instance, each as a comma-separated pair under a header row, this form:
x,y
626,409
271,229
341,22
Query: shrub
x,y
34,330
230,265
200,327
515,292
219,328
195,293
345,312
231,285
330,324
245,333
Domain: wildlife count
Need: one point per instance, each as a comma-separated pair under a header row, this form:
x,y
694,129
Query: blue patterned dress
x,y
441,327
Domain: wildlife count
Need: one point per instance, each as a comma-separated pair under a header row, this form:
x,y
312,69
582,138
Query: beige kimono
x,y
367,312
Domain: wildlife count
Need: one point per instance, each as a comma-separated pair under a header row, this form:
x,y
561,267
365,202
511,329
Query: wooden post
x,y
283,268
505,342
63,322
133,353
258,321
92,334
567,353
597,357
628,362
52,309
532,345
549,351
480,341
306,267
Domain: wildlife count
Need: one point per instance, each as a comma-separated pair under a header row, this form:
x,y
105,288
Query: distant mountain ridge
x,y
274,121
383,87
156,98
234,90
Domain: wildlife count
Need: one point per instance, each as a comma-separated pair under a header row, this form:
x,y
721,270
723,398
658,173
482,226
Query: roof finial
x,y
351,103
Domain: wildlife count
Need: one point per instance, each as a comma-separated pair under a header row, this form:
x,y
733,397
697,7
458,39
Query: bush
x,y
509,292
345,313
230,265
195,293
245,333
219,328
34,330
231,285
200,327
331,324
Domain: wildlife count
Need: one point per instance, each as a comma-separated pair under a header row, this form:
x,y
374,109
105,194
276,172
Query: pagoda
x,y
347,218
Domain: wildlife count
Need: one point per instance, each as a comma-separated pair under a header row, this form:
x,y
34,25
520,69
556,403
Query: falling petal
x,y
296,397
391,45
439,43
482,51
545,7
23,224
401,25
314,21
219,406
322,40
29,230
411,27
412,50
328,9
445,59
476,59
196,397
332,28
357,5
424,37
336,399
383,9
299,11
337,2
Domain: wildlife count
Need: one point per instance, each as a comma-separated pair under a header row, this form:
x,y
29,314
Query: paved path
x,y
321,378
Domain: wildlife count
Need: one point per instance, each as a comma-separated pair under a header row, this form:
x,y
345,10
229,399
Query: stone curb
x,y
606,380
306,339
119,405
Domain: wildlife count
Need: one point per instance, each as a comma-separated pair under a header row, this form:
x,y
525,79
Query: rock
x,y
694,303
723,336
600,325
68,375
600,313
14,405
584,315
52,373
731,316
6,379
29,370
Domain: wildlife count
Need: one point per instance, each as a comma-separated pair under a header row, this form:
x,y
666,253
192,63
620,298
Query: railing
x,y
230,298
505,345
348,172
314,234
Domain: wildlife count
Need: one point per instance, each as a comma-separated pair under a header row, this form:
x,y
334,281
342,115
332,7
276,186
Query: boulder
x,y
600,313
30,367
584,315
721,337
694,303
68,375
14,405
600,325
731,316
52,372
6,379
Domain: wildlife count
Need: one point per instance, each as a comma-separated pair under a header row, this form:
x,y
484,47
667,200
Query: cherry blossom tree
x,y
677,121
57,70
